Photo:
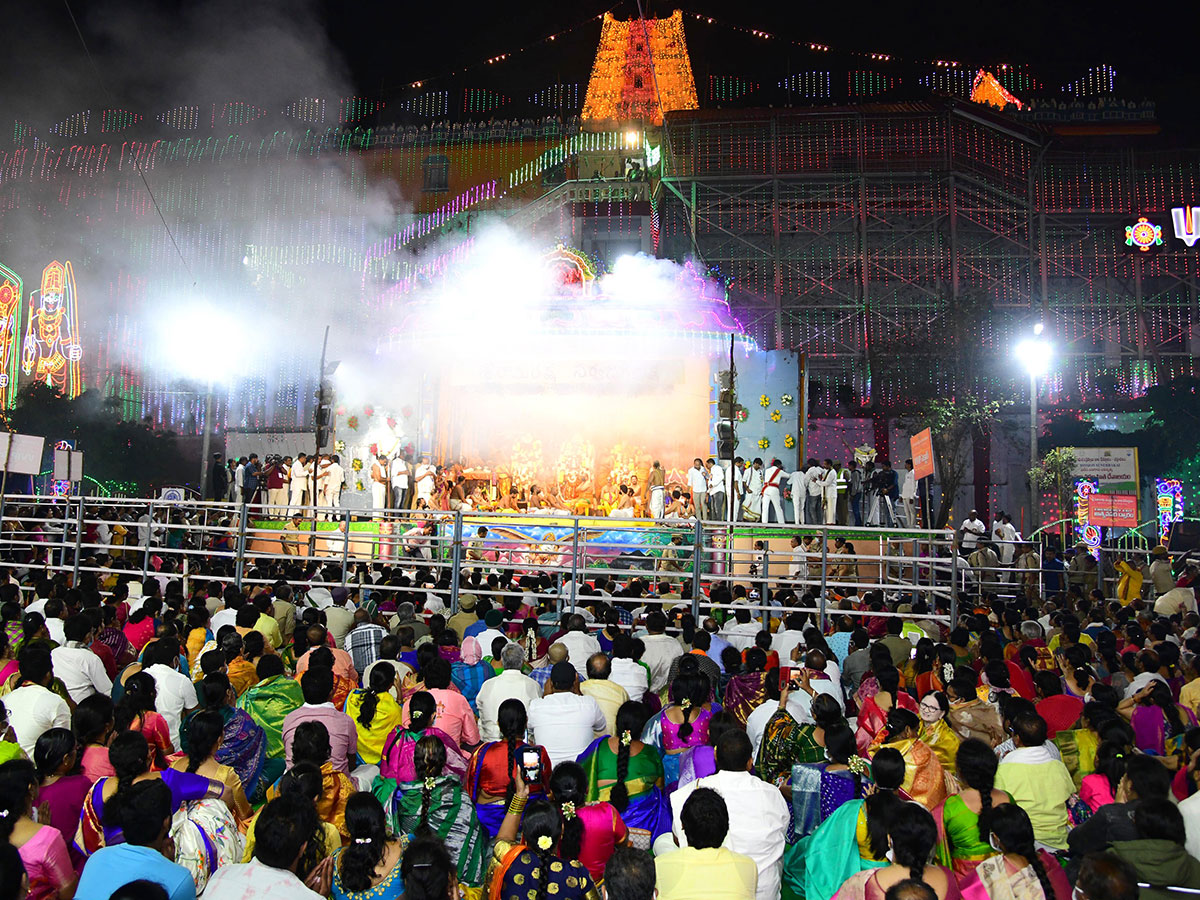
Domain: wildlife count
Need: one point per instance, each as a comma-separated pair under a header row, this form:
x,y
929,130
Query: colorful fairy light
x,y
1169,505
11,315
1143,234
987,89
52,351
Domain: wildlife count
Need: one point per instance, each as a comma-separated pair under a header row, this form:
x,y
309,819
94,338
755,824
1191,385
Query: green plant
x,y
1056,472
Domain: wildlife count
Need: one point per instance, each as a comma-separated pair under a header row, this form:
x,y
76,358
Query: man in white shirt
x,y
716,490
380,484
758,814
626,671
564,721
908,494
661,650
829,491
423,479
510,684
239,480
772,480
580,645
752,499
789,637
399,470
741,630
298,485
150,532
32,707
176,693
972,529
814,480
1006,537
336,476
76,665
797,484
698,483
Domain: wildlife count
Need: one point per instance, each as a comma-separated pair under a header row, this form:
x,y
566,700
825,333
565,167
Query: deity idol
x,y
10,324
52,351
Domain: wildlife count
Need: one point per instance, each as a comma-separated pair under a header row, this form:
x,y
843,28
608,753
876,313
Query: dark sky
x,y
152,51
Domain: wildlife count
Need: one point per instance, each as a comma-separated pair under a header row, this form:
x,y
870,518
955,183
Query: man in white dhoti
x,y
813,480
737,486
829,487
658,490
337,480
797,484
770,492
698,483
424,480
380,484
399,471
752,507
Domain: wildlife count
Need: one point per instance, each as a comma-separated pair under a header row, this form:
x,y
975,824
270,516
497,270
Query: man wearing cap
x,y
493,620
1162,579
465,616
564,721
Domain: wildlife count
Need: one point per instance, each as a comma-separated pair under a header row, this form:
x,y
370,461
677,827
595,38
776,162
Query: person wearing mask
x,y
1018,865
912,834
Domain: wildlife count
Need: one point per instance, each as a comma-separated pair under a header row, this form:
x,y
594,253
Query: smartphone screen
x,y
531,765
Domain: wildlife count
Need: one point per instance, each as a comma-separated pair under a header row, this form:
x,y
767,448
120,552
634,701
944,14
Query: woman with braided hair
x,y
493,770
965,818
434,803
628,773
1018,870
368,867
591,831
533,868
375,712
911,836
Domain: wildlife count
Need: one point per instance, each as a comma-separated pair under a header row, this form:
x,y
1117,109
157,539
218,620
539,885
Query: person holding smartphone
x,y
498,767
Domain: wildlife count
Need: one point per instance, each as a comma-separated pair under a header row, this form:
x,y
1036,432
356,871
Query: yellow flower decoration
x,y
764,401
544,842
776,415
763,443
789,441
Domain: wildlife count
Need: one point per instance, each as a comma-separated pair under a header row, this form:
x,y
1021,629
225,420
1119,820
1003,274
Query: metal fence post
x,y
78,543
149,541
697,551
575,565
824,576
345,546
455,560
953,586
765,613
240,564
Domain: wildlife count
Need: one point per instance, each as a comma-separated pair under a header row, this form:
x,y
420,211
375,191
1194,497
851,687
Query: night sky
x,y
153,51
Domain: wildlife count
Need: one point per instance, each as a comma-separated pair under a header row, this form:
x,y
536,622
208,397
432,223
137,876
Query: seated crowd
x,y
169,740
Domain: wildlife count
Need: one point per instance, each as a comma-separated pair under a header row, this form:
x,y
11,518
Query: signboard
x,y
1113,510
21,454
68,465
1114,469
921,447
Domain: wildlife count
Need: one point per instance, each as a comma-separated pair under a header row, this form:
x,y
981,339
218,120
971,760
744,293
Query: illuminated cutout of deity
x,y
627,463
525,462
10,324
51,352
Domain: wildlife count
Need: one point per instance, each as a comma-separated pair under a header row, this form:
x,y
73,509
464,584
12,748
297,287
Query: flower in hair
x,y
568,810
364,840
947,672
429,783
858,766
685,704
626,738
545,842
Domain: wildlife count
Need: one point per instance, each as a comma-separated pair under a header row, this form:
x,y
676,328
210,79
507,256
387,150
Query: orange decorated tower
x,y
641,70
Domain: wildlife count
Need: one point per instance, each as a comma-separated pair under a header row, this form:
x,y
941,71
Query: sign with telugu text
x,y
921,447
1113,510
1114,469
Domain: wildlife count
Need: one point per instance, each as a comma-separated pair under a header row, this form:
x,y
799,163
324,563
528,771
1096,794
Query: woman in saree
x,y
396,759
924,778
936,731
61,787
1159,723
494,768
591,831
911,837
934,667
852,838
375,712
701,761
881,658
969,716
964,819
44,857
531,865
204,743
683,724
93,725
817,789
205,833
311,745
874,710
368,868
787,743
243,744
1019,871
8,658
135,712
628,773
434,803
748,690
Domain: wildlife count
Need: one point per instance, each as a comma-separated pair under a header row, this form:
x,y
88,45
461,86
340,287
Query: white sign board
x,y
1115,468
243,443
21,454
68,465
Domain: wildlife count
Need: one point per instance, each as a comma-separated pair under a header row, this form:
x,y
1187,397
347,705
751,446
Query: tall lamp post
x,y
1034,354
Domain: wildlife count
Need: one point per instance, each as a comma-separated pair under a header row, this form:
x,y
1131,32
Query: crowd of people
x,y
367,742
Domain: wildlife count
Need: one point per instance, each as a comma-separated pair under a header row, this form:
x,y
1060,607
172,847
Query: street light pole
x,y
207,444
1033,450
